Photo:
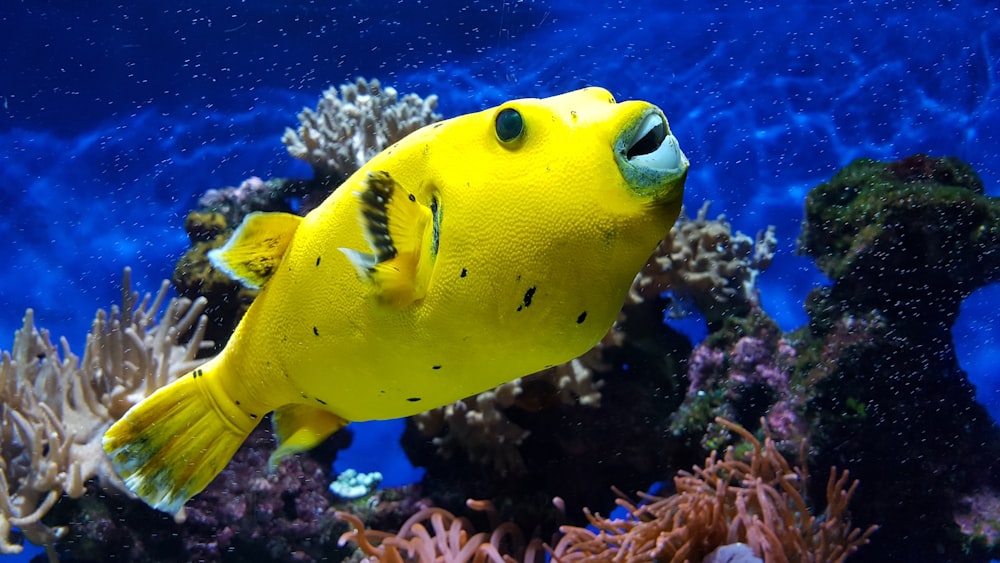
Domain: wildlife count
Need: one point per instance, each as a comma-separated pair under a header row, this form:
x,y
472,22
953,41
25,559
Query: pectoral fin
x,y
400,234
255,250
299,428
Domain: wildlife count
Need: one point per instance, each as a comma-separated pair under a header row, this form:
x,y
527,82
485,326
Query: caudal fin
x,y
171,445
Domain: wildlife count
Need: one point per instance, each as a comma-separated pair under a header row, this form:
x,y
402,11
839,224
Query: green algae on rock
x,y
913,237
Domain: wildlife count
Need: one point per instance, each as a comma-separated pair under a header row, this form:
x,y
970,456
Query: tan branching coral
x,y
759,501
704,262
346,131
55,407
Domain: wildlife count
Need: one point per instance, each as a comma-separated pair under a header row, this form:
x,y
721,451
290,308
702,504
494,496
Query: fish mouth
x,y
648,155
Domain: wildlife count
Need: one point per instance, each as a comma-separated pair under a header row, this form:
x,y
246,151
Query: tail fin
x,y
171,445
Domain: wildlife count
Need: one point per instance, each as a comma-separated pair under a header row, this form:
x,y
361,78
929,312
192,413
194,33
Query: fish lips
x,y
650,157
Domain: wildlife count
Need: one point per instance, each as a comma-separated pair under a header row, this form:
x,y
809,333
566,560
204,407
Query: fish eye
x,y
509,125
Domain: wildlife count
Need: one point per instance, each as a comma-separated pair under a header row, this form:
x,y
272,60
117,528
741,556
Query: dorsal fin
x,y
399,231
255,250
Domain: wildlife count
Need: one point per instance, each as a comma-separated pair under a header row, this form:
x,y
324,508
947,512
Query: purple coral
x,y
730,377
705,366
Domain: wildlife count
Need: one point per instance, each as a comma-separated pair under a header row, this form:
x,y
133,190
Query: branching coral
x,y
345,132
704,262
758,501
55,408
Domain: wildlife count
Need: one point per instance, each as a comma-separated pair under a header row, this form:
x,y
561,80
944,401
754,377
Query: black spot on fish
x,y
304,396
436,125
381,392
253,416
413,197
317,260
320,401
464,273
413,399
581,318
316,331
528,295
435,367
237,403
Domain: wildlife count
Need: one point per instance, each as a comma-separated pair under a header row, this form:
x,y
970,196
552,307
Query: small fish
x,y
474,251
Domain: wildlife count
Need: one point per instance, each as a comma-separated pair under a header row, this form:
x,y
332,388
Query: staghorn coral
x,y
758,501
702,261
55,408
346,131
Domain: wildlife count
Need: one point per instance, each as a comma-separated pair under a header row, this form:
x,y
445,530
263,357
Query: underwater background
x,y
116,119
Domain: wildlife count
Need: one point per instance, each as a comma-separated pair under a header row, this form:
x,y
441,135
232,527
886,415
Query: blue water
x,y
114,120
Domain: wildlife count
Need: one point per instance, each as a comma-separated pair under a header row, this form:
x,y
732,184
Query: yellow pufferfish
x,y
474,251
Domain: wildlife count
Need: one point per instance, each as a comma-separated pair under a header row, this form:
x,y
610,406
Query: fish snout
x,y
648,155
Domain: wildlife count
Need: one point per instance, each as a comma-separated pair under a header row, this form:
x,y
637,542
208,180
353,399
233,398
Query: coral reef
x,y
872,382
755,498
743,372
758,500
703,262
911,238
55,407
233,203
346,131
194,277
248,514
903,243
978,517
605,411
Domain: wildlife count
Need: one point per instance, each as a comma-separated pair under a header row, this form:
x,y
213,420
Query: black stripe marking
x,y
436,216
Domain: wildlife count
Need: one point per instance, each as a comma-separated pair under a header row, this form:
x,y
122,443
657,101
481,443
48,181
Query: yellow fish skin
x,y
474,251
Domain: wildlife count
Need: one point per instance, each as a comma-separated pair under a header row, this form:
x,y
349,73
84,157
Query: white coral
x,y
346,131
704,262
55,410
